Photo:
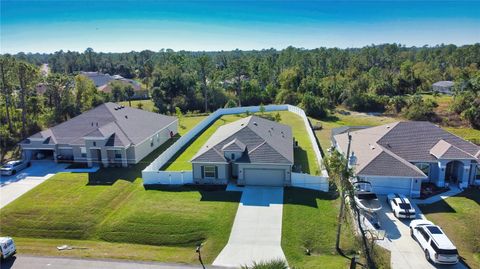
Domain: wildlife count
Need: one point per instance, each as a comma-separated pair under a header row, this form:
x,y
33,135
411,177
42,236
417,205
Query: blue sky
x,y
125,25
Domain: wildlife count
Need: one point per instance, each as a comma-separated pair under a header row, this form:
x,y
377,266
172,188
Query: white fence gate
x,y
152,174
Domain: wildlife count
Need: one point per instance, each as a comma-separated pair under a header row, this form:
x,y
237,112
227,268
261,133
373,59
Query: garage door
x,y
391,185
264,177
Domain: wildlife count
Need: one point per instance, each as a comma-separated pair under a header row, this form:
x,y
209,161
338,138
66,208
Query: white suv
x,y
436,245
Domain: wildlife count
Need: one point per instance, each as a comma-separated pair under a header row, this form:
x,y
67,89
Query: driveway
x,y
406,253
257,230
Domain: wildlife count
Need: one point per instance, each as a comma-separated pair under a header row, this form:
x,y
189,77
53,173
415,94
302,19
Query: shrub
x,y
314,106
366,102
274,264
418,109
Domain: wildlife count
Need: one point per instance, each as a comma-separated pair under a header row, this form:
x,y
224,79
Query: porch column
x,y
89,157
442,167
104,157
465,175
124,158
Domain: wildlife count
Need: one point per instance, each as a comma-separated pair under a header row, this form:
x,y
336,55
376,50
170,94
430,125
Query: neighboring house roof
x,y
122,126
445,83
390,149
261,140
102,81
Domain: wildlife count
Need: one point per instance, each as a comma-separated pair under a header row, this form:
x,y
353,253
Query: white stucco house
x,y
109,135
250,151
398,157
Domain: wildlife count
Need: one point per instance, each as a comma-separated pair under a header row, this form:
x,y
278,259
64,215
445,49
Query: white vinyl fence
x,y
310,182
168,177
152,174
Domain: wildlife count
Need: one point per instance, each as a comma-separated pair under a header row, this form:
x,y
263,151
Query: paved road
x,y
33,262
257,230
406,253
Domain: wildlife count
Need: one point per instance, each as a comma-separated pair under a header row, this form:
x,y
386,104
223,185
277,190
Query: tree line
x,y
386,77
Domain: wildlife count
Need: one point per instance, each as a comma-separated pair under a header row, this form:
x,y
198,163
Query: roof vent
x,y
92,123
372,147
97,124
122,106
388,126
255,123
126,117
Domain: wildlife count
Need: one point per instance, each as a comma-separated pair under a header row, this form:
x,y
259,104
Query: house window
x,y
209,171
83,151
425,167
233,156
118,154
151,142
94,144
477,177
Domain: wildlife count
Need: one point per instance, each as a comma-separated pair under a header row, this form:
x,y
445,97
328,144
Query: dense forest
x,y
382,78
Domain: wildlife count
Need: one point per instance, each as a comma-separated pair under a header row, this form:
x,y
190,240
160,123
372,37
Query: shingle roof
x,y
390,149
127,126
444,83
264,141
234,145
445,150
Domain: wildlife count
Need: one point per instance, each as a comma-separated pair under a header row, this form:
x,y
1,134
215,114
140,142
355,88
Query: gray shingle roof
x,y
444,83
234,145
127,126
390,150
264,141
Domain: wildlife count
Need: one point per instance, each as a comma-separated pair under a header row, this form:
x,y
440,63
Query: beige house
x,y
110,135
252,151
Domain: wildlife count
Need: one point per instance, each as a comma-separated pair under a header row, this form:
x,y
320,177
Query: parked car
x,y
7,247
12,167
401,206
436,245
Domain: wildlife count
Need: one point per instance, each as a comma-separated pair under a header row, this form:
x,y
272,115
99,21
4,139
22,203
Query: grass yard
x,y
339,120
459,218
304,155
146,104
67,206
310,221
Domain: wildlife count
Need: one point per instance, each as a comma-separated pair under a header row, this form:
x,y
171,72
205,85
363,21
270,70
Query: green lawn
x,y
147,104
310,221
304,155
459,218
339,120
68,206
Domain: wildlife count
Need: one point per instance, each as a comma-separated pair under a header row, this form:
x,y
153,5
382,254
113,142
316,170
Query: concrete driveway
x,y
406,253
257,230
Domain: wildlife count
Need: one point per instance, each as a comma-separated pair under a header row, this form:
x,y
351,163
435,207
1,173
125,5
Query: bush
x,y
314,106
418,109
366,102
275,264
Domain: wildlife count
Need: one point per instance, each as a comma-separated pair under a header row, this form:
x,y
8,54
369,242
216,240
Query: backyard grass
x,y
303,155
459,218
310,222
339,120
68,206
147,104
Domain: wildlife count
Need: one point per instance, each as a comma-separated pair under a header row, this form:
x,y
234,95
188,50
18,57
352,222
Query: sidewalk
x,y
454,190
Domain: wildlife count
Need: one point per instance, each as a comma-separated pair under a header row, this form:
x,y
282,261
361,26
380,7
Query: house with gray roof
x,y
252,151
443,87
110,135
398,157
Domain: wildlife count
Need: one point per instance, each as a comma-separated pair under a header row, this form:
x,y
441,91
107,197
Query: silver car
x,y
12,167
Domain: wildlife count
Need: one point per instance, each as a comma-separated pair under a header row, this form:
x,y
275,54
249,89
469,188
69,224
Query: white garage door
x,y
264,177
390,185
